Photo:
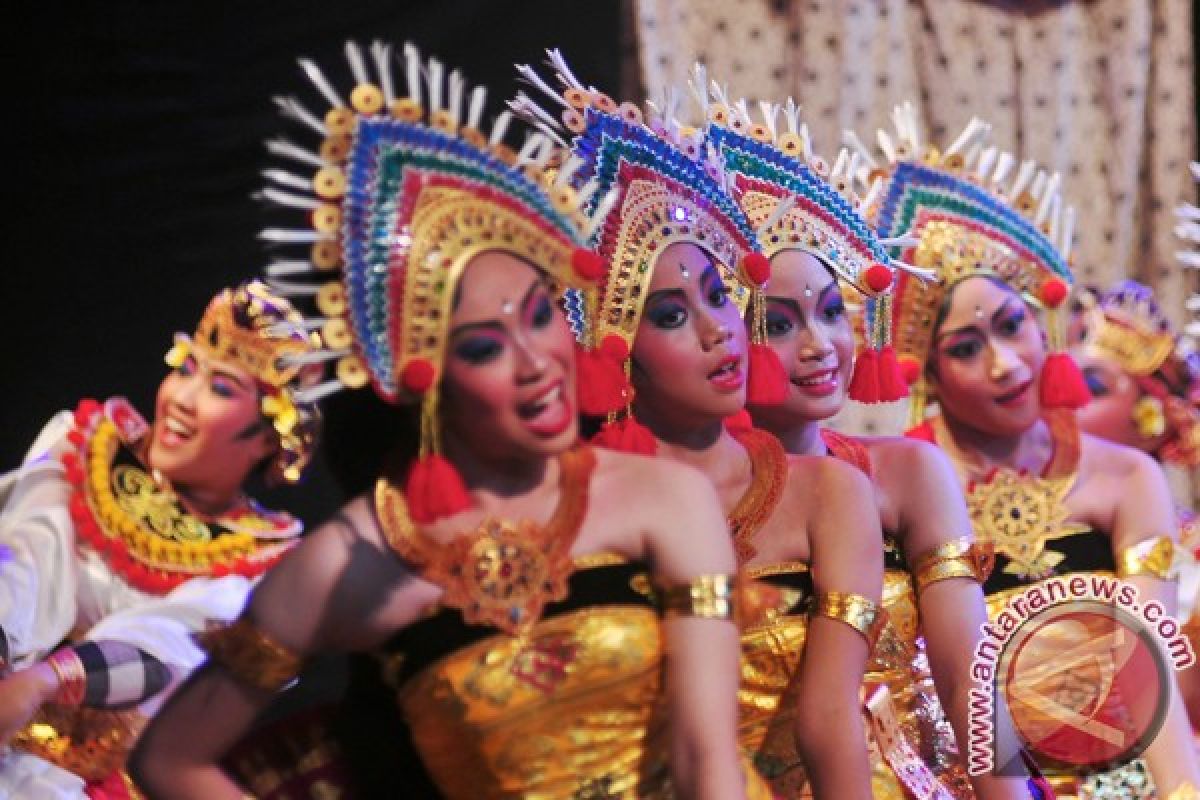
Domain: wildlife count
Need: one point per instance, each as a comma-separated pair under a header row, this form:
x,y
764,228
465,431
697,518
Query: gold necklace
x,y
502,574
769,468
1019,513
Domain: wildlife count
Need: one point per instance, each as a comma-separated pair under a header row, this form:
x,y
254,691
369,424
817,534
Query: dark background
x,y
135,137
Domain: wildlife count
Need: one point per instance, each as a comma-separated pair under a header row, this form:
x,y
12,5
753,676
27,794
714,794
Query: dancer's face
x,y
808,328
987,357
689,357
509,384
1110,412
208,432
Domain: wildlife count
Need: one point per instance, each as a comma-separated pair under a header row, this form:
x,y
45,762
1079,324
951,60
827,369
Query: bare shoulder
x,y
900,461
820,479
647,479
1107,459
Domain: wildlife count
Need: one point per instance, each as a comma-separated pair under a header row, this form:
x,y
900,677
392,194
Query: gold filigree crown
x,y
1127,327
255,329
407,190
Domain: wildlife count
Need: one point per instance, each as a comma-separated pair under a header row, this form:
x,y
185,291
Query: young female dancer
x,y
1051,501
501,572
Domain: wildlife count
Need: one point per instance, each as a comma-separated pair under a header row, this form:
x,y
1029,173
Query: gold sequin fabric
x,y
91,743
572,708
774,629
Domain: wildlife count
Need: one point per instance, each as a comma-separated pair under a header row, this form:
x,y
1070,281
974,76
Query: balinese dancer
x,y
520,589
680,256
809,226
1144,380
1052,502
123,538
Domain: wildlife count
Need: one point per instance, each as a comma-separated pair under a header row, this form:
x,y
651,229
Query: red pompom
x,y
864,384
768,380
892,384
878,278
600,381
435,489
1062,384
757,268
614,347
739,422
628,436
418,376
1053,292
588,264
910,368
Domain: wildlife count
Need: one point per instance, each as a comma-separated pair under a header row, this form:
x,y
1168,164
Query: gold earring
x,y
1148,416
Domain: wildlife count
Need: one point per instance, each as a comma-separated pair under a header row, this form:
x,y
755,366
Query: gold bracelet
x,y
861,613
250,656
708,596
72,677
960,558
1155,557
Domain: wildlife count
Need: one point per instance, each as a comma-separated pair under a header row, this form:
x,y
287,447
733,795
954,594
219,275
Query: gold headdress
x,y
967,218
1126,326
665,184
406,191
260,332
797,202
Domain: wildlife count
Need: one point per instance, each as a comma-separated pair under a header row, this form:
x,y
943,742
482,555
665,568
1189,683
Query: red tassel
x,y
739,422
864,384
602,386
1062,384
434,489
628,436
892,385
768,381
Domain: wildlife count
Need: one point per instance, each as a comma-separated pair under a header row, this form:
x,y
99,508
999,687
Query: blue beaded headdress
x,y
966,218
406,191
797,202
669,187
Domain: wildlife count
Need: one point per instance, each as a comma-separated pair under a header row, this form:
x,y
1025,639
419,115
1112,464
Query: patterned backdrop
x,y
1100,91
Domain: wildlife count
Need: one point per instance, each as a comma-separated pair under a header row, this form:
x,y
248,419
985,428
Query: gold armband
x,y
1155,557
709,596
864,615
250,656
960,558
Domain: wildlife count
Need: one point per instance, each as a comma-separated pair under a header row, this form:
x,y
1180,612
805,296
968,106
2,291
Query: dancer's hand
x,y
21,695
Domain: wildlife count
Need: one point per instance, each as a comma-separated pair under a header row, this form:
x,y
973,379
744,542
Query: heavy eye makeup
x,y
716,293
539,310
963,347
1010,323
780,320
224,385
1096,382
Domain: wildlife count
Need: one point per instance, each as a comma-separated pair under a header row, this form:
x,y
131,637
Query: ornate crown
x,y
260,332
963,217
664,184
405,191
1127,326
797,201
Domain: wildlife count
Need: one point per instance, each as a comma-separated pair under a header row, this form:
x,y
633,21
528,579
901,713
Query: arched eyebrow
x,y
495,324
794,304
227,375
995,318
